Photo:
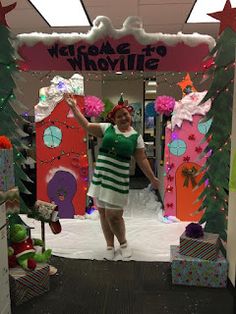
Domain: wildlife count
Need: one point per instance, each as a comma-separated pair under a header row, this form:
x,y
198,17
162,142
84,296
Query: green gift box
x,y
7,178
24,285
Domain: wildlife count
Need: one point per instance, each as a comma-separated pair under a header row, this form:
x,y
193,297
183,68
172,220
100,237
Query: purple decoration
x,y
194,230
90,210
61,86
174,136
61,190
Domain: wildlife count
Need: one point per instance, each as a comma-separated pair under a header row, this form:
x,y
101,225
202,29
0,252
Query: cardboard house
x,y
184,142
61,148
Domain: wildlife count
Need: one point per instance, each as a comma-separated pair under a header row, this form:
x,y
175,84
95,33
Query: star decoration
x,y
198,149
192,137
227,17
169,188
4,11
186,85
170,166
186,158
170,178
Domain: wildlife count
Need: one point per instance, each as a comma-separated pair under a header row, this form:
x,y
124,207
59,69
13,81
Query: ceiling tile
x,y
211,29
162,14
33,19
163,28
94,3
22,4
169,3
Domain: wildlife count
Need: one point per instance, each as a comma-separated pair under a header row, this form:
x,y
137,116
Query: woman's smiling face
x,y
122,119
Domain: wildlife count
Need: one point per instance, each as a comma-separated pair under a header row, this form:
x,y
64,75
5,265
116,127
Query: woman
x,y
110,183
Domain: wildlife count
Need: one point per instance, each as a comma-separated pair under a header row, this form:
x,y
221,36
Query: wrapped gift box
x,y
4,273
197,272
206,247
7,178
26,285
12,200
45,211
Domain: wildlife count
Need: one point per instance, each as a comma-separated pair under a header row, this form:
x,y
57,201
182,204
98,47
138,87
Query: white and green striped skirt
x,y
110,182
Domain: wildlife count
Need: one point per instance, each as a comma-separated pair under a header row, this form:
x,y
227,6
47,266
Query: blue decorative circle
x,y
177,147
149,109
203,127
52,137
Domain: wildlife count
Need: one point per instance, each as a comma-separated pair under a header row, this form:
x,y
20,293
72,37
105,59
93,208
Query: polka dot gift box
x,y
192,271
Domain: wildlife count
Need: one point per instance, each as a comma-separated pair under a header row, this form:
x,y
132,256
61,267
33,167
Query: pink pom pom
x,y
164,105
93,106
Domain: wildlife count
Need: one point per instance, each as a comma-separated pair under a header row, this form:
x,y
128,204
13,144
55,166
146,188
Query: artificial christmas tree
x,y
11,123
216,168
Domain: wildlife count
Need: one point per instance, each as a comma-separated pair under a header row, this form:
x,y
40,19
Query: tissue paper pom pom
x,y
194,230
93,106
164,104
5,142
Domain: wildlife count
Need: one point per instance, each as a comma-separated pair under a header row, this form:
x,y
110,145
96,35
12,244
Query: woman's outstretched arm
x,y
144,165
91,128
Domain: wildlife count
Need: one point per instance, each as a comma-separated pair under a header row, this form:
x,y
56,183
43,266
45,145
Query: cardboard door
x,y
186,195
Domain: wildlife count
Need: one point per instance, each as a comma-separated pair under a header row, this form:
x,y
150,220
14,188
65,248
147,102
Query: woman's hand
x,y
69,98
155,182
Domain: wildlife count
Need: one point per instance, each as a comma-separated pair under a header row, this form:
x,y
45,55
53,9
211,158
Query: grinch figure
x,y
23,248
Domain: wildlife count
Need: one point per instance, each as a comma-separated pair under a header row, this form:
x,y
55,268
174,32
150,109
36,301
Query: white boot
x,y
126,251
109,253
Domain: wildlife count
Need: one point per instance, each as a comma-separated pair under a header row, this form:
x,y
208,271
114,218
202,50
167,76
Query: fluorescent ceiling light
x,y
152,83
150,91
203,7
119,73
61,13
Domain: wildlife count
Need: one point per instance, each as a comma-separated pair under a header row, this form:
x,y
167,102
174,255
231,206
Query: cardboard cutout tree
x,y
216,168
11,123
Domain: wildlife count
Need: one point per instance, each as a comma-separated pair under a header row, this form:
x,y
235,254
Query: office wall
x,y
231,241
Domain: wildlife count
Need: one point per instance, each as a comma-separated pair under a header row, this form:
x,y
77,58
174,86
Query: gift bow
x,y
187,107
189,174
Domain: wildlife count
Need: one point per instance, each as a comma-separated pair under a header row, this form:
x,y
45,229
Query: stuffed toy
x,y
11,258
23,248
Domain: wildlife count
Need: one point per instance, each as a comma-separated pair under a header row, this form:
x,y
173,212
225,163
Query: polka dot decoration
x,y
52,137
203,127
177,147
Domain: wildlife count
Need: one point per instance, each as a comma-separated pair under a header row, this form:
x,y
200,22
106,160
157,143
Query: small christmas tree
x,y
216,168
11,123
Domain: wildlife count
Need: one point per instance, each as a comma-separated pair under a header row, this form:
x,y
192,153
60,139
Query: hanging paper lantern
x,y
149,109
164,104
93,106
